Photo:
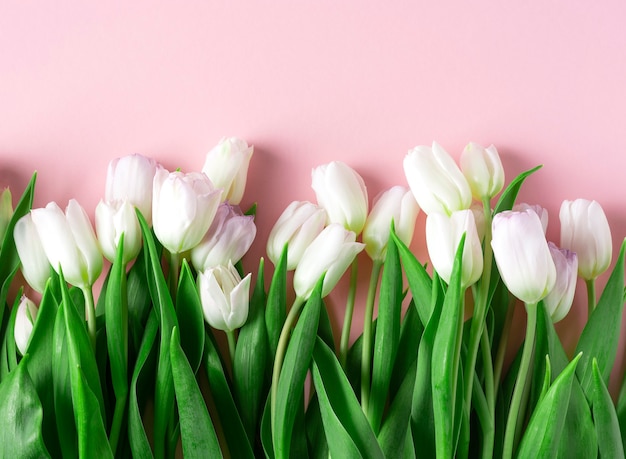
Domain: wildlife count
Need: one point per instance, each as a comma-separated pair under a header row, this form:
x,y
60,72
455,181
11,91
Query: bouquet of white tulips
x,y
184,351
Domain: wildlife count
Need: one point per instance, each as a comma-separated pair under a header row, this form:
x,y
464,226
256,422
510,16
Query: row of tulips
x,y
77,376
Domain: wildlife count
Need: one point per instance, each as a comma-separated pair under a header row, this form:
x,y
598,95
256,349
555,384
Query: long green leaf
x,y
348,431
543,433
410,336
316,438
600,337
293,373
387,335
21,416
509,195
197,431
276,308
234,432
605,418
8,349
190,317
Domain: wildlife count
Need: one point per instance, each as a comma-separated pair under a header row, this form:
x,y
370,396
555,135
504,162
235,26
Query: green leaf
x,y
419,281
600,336
276,308
266,431
139,304
234,432
293,372
508,196
137,436
316,438
347,429
410,335
605,418
21,416
197,432
251,366
9,259
543,433
445,361
9,349
387,335
190,317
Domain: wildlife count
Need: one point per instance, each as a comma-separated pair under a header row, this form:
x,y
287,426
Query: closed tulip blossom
x,y
130,178
69,242
443,234
229,237
225,297
541,211
226,165
396,204
35,265
24,321
183,208
330,254
483,170
436,181
113,219
559,300
341,191
522,255
297,227
585,230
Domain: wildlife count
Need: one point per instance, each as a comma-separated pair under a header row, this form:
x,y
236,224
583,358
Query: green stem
x,y
344,344
515,409
480,309
488,430
173,274
281,349
232,344
591,296
366,356
119,416
502,344
90,316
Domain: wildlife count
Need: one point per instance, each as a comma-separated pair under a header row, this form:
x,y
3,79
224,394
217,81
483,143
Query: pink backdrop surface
x,y
309,82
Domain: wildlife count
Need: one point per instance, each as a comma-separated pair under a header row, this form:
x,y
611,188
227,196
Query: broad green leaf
x,y
266,430
419,281
197,431
410,335
600,337
325,329
293,372
21,416
9,349
190,317
137,436
234,432
139,304
605,418
387,335
318,446
445,361
276,308
508,196
348,431
251,366
543,433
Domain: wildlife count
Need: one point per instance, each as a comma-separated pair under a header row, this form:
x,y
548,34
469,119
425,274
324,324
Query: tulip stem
x,y
591,296
230,336
488,440
502,344
344,344
366,356
173,277
516,410
90,315
281,349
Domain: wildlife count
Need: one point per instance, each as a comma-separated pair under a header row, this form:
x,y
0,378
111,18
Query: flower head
x,y
24,321
227,167
483,170
559,300
35,264
112,219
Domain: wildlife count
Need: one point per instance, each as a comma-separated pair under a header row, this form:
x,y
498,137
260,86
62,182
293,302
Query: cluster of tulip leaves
x,y
157,378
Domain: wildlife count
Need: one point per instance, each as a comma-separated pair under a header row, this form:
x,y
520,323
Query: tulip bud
x,y
69,242
183,208
585,230
398,205
342,193
224,296
228,239
540,211
436,181
35,265
443,234
113,219
130,178
559,300
330,253
296,227
226,165
483,170
522,255
479,218
6,212
24,321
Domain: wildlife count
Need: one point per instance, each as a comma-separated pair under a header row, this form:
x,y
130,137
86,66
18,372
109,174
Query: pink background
x,y
310,82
